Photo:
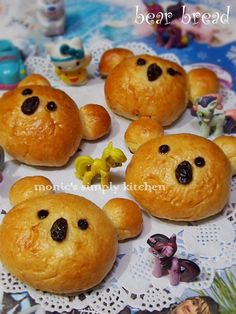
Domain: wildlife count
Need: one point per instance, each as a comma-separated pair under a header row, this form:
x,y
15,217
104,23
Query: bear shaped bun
x,y
183,177
151,86
42,126
63,243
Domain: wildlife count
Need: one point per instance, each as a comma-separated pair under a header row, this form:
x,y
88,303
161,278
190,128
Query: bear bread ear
x,y
202,81
34,79
141,131
111,58
228,145
126,217
96,121
29,187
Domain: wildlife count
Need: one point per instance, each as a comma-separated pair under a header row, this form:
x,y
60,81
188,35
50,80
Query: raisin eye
x,y
173,72
78,63
141,61
83,224
51,106
163,149
199,162
27,91
60,68
43,213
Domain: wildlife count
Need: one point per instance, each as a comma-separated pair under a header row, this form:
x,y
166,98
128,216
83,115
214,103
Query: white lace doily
x,y
131,281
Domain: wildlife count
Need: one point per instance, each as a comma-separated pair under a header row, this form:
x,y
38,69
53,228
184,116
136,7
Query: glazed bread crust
x,y
126,217
164,196
111,58
140,131
34,79
29,187
228,145
202,81
45,138
77,263
131,94
95,120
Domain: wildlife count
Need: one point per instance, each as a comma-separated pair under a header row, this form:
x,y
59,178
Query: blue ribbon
x,y
76,53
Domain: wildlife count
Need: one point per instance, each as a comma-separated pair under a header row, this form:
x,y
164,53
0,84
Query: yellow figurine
x,y
86,168
70,61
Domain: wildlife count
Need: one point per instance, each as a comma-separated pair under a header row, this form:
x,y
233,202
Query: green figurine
x,y
86,168
212,123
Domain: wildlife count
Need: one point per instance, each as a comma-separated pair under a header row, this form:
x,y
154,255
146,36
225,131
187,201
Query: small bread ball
x,y
29,187
202,81
126,217
228,145
111,58
141,131
95,120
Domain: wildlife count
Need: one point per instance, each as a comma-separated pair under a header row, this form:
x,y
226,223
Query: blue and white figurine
x,y
70,61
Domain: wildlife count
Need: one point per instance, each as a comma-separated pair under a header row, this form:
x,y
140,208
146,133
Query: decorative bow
x,y
76,53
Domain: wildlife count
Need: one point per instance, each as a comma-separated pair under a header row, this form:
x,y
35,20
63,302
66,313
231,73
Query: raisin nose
x,y
59,230
153,72
184,173
30,105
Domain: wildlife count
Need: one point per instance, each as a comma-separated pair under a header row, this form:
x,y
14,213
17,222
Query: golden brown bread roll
x,y
58,243
140,131
201,82
111,58
96,121
228,145
126,217
146,85
41,125
151,86
179,177
63,243
29,187
34,79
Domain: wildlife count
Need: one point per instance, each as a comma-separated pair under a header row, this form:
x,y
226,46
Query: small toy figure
x,y
70,61
2,163
168,35
179,269
86,168
197,29
214,123
12,68
51,16
170,29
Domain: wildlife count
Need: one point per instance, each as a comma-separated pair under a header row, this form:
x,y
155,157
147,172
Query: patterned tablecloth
x,y
111,23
